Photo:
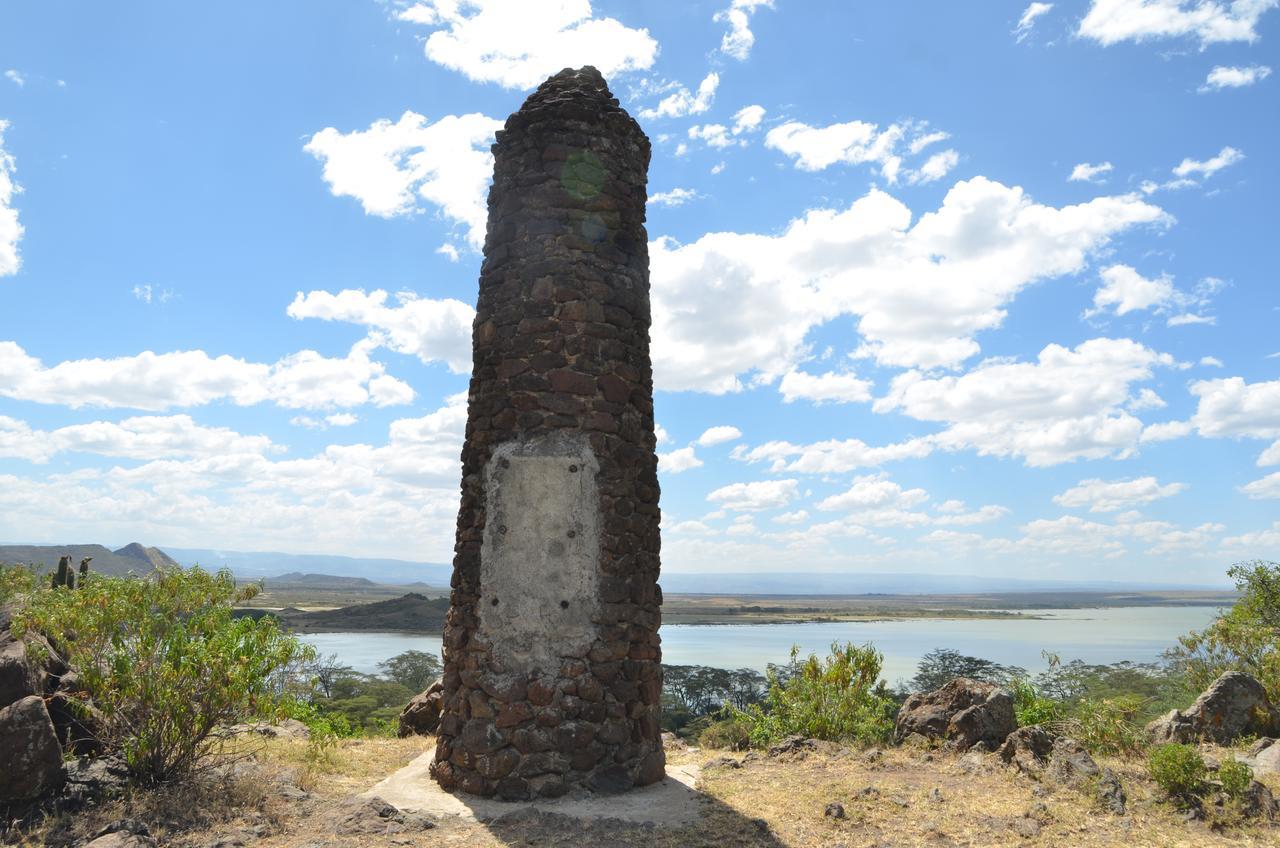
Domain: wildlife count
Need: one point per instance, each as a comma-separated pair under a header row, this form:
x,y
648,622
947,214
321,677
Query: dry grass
x,y
920,798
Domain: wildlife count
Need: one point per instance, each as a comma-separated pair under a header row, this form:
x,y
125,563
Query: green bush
x,y
163,662
1236,778
1109,725
732,732
1030,706
1244,638
1177,769
838,697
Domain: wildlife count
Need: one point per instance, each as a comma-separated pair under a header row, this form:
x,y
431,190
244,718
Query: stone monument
x,y
552,662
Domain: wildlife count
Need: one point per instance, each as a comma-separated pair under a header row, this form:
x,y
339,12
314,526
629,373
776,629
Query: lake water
x,y
1093,635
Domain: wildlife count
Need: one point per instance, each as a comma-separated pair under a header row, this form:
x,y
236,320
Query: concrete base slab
x,y
672,802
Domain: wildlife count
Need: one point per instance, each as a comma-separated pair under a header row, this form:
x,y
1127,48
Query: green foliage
x,y
941,665
1109,725
413,669
1236,777
1244,638
837,697
16,581
163,661
1030,706
731,730
1177,769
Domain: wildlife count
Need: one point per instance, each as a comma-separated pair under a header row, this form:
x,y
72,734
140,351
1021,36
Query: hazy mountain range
x,y
333,572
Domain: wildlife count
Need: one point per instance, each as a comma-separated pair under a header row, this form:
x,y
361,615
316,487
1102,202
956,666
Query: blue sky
x,y
965,288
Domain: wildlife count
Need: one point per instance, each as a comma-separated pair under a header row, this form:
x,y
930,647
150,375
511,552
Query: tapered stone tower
x,y
552,662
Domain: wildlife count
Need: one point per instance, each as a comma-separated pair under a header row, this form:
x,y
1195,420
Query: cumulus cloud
x,y
921,291
850,143
935,168
1270,456
981,515
1067,405
747,119
1087,173
10,228
678,460
1113,21
674,197
831,387
1226,157
833,456
160,381
753,497
1233,77
390,167
432,330
1115,495
143,438
739,40
1028,20
1230,407
1124,290
719,435
874,491
1266,488
519,43
680,103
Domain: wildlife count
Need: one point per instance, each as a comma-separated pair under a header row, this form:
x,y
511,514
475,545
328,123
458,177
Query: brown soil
x,y
895,797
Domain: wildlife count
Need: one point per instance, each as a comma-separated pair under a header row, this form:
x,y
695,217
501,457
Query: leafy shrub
x,y
1244,638
1030,706
1109,725
163,661
838,697
1177,769
942,665
1236,777
732,731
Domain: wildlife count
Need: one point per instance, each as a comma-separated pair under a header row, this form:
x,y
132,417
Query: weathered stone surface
x,y
421,716
552,657
29,751
18,676
1264,757
1071,764
1027,749
1235,704
964,712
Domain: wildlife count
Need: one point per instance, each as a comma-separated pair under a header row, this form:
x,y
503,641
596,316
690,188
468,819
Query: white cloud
x,y
1231,407
660,434
1087,173
935,168
1067,405
10,227
449,251
747,119
143,438
833,456
1233,77
739,40
873,492
797,517
674,197
16,77
830,387
1124,290
1112,21
1226,157
921,292
693,527
1270,456
1211,362
678,460
719,435
150,294
337,419
851,143
159,381
1028,20
519,43
390,167
1265,488
432,330
713,135
982,515
1115,495
753,497
921,142
681,103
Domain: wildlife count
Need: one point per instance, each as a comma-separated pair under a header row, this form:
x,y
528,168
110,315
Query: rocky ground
x,y
287,793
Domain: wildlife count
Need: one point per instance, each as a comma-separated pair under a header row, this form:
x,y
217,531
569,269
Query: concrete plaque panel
x,y
539,556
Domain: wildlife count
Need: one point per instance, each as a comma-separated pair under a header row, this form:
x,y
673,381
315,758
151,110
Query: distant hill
x,y
132,558
255,564
318,581
411,613
854,583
